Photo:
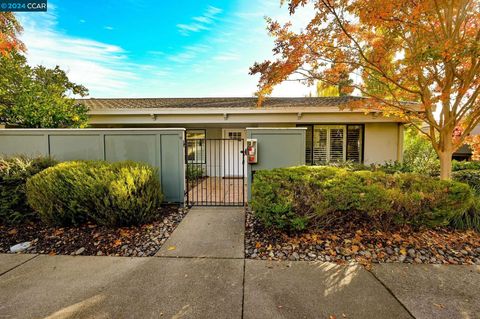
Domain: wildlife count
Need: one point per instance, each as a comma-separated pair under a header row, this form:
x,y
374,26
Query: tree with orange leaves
x,y
10,29
425,51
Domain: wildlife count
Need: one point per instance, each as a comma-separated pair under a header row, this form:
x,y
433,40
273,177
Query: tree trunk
x,y
445,165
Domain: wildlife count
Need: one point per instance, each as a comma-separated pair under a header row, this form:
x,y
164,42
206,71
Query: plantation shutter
x,y
329,143
354,143
337,144
320,147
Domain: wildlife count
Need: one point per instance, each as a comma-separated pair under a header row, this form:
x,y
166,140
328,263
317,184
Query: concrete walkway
x,y
208,232
218,283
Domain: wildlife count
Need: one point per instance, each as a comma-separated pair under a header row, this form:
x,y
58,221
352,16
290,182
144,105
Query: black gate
x,y
215,172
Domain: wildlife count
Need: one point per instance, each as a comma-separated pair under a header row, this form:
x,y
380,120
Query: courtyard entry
x,y
215,169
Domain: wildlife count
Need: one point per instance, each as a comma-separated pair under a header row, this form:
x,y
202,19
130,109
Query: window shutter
x,y
337,138
354,143
320,145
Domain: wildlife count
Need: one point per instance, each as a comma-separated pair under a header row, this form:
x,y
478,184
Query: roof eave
x,y
203,111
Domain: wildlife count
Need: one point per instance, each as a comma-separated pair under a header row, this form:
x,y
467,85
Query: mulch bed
x,y
90,239
357,242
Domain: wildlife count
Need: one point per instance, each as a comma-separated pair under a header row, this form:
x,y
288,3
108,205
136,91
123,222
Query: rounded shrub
x,y
120,193
298,198
14,172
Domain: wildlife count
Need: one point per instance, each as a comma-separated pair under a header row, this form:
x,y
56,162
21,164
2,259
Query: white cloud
x,y
200,23
189,53
103,68
227,56
217,65
107,27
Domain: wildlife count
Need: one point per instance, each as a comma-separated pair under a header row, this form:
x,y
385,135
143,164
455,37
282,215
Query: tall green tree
x,y
38,97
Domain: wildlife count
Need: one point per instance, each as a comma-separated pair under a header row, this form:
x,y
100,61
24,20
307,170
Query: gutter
x,y
222,111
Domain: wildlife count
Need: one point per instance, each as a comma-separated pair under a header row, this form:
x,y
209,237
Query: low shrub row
x,y
14,173
70,193
298,198
431,168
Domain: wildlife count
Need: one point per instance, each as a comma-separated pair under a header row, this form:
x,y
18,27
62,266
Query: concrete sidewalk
x,y
219,284
215,232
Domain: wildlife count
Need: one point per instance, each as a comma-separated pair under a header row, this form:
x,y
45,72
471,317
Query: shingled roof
x,y
243,102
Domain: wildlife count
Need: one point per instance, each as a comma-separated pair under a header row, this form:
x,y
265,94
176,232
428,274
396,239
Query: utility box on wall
x,y
252,147
275,148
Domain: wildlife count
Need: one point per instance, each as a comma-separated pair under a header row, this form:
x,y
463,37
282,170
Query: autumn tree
x,y
10,30
425,51
38,97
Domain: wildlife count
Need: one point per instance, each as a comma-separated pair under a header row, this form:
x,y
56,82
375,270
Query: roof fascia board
x,y
286,110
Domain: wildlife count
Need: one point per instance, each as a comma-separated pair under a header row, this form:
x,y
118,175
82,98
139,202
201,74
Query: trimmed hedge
x,y
14,173
298,198
121,193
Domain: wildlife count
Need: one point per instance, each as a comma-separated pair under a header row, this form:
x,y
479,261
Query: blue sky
x,y
136,48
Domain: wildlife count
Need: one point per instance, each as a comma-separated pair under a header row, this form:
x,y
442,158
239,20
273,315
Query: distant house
x,y
464,153
333,134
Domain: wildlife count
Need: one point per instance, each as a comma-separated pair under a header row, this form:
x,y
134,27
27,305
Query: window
x,y
354,143
333,143
329,143
196,146
235,135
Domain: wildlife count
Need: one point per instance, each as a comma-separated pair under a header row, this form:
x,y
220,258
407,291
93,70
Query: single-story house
x,y
333,133
465,153
199,144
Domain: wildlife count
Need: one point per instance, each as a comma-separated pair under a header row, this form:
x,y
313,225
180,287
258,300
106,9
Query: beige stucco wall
x,y
383,142
248,119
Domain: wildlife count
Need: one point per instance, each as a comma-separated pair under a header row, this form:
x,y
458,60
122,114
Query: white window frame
x,y
328,128
199,153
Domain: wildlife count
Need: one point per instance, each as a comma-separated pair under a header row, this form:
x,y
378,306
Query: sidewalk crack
x,y
15,267
391,293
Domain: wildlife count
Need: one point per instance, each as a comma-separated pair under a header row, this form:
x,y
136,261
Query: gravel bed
x,y
90,239
357,243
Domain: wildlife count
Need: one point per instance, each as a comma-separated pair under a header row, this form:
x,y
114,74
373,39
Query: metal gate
x,y
215,172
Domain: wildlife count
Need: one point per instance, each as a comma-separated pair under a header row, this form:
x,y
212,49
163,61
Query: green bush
x,y
298,198
195,171
121,193
14,173
469,219
419,155
470,177
463,165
